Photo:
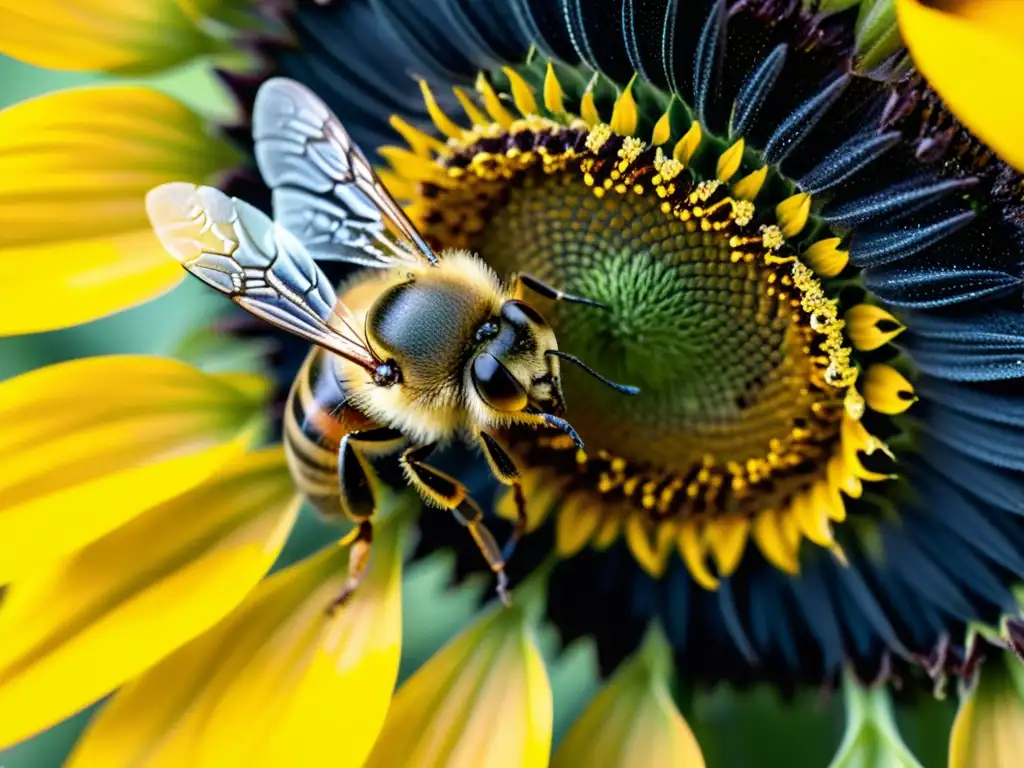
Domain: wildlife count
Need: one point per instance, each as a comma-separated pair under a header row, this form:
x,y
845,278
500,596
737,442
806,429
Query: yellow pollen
x,y
598,136
631,149
743,211
854,404
771,237
824,314
668,168
704,191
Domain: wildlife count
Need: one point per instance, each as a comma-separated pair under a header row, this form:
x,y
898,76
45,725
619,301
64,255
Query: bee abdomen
x,y
318,415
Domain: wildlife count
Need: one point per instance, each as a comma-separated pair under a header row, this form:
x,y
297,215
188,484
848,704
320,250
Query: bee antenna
x,y
562,426
625,389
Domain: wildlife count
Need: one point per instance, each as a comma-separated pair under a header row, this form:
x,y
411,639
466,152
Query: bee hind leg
x,y
360,540
356,480
442,490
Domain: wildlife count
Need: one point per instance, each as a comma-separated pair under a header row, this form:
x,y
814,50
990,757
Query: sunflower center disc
x,y
714,347
737,351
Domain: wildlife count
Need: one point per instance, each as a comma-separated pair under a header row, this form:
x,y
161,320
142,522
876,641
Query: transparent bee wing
x,y
324,190
237,249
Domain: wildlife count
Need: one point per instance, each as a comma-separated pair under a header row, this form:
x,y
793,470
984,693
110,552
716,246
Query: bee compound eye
x,y
496,386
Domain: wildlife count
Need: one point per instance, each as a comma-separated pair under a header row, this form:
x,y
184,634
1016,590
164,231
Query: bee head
x,y
511,370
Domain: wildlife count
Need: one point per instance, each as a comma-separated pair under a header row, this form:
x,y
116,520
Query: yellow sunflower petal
x,y
553,94
522,92
989,728
588,109
444,124
726,540
89,444
422,144
869,327
825,258
692,549
577,523
473,112
483,701
729,161
748,187
75,631
792,214
813,512
662,130
75,166
972,52
279,682
886,390
855,439
772,533
639,538
624,113
633,721
492,102
125,36
686,146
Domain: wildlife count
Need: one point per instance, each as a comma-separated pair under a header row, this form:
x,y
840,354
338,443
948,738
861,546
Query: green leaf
x,y
872,738
828,7
878,36
759,727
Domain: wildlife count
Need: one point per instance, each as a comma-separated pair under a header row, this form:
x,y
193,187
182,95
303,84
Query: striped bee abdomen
x,y
318,415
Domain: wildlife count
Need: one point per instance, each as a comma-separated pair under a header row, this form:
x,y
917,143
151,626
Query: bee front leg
x,y
443,490
504,469
356,485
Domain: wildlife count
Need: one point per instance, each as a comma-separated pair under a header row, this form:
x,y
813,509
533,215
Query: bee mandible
x,y
423,349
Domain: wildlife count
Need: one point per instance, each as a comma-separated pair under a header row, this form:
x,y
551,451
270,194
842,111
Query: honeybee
x,y
425,348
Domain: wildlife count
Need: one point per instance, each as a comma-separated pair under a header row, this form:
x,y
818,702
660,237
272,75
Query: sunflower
x,y
806,221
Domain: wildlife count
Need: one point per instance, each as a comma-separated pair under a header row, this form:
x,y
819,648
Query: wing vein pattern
x,y
324,189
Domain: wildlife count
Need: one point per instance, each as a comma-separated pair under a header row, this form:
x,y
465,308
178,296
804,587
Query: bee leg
x,y
360,541
444,491
504,468
356,489
531,283
469,514
355,471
